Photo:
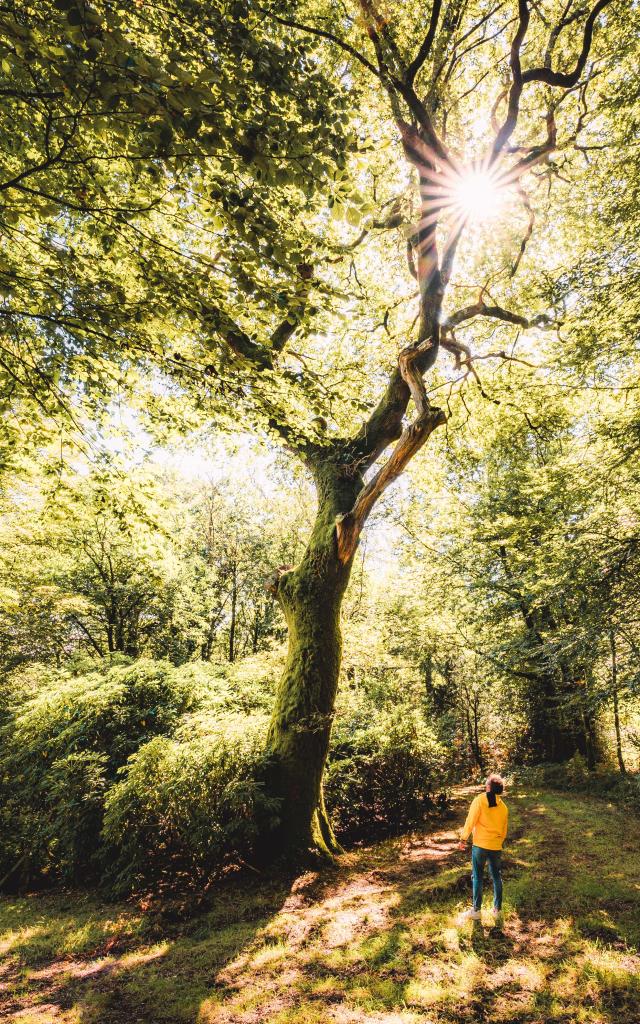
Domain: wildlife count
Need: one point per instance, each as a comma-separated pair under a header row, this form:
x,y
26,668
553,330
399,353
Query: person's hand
x,y
462,845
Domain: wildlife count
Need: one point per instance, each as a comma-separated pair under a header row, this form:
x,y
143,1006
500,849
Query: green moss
x,y
300,727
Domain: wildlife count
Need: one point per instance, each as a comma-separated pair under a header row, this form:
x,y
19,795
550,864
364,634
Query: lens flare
x,y
478,195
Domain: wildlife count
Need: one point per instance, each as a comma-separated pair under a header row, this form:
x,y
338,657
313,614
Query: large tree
x,y
249,176
426,84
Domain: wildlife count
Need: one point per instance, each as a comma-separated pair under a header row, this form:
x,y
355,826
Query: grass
x,y
375,940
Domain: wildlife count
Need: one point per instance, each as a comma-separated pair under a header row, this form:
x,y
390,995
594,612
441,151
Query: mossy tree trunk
x,y
311,594
298,740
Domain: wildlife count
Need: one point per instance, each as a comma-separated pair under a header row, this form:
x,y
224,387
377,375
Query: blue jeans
x,y
478,858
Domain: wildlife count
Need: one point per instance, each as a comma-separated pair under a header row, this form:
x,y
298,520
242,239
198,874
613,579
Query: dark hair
x,y
496,786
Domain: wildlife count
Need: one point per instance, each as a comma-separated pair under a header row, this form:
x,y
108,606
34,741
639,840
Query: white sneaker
x,y
471,915
497,914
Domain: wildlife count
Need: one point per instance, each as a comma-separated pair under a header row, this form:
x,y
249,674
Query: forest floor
x,y
376,939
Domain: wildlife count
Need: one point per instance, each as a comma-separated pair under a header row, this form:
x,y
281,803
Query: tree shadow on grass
x,y
372,939
100,975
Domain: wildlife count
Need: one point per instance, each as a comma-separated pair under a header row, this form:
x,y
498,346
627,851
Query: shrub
x,y
382,775
147,774
78,784
186,808
61,745
576,771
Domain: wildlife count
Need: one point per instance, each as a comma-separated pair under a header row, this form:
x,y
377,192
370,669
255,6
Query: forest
x,y
320,502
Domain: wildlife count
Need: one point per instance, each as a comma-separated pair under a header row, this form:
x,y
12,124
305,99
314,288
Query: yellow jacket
x,y
488,824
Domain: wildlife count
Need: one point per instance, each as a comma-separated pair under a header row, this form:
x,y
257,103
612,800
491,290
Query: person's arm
x,y
506,824
470,823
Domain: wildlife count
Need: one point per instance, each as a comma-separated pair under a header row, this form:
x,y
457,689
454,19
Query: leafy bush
x,y
185,808
384,771
61,745
78,784
147,774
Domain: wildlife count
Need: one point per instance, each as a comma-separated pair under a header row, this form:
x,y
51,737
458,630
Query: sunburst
x,y
478,194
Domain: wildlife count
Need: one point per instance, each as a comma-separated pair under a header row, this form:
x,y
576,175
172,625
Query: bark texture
x,y
300,728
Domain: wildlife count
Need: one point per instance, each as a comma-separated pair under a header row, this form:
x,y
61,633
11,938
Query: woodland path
x,y
375,941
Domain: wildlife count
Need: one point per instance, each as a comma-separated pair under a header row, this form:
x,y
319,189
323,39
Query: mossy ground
x,y
374,940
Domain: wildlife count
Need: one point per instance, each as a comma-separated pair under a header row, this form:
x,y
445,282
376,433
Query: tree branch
x,y
515,92
383,426
497,312
94,643
427,43
568,79
413,437
301,27
239,341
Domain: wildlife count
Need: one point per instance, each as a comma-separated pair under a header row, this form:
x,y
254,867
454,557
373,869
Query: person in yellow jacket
x,y
487,821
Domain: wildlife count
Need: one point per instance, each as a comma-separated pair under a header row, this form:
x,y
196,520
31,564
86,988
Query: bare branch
x,y
383,426
413,437
373,16
537,153
515,92
394,220
425,49
568,79
449,254
464,356
497,312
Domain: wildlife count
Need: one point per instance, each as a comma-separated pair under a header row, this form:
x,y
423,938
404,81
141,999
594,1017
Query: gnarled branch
x,y
566,80
413,437
515,92
480,308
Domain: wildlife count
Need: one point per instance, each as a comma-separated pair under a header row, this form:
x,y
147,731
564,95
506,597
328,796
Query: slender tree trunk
x,y
616,719
234,603
616,709
476,738
119,633
472,727
300,728
256,634
578,684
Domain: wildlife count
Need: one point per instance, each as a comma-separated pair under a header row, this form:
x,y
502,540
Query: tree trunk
x,y
300,728
257,622
111,645
232,627
616,720
616,709
476,739
311,594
